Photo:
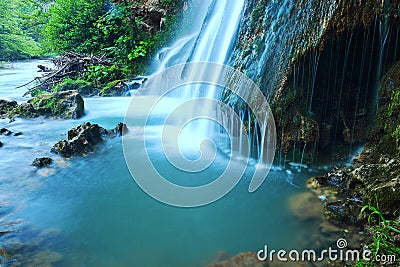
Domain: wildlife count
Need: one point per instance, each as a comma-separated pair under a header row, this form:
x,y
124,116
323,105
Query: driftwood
x,y
70,65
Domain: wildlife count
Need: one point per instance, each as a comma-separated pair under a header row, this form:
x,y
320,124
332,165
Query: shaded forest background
x,y
44,28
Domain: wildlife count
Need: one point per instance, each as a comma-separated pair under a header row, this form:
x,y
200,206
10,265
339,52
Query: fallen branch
x,y
70,65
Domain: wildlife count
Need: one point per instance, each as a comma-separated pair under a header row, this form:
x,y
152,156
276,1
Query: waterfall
x,y
210,38
218,25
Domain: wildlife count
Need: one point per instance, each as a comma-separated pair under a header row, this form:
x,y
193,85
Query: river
x,y
88,211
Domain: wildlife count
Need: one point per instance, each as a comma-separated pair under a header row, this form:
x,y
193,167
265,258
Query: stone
x,y
80,140
115,88
65,104
306,206
120,130
245,259
5,131
42,162
83,138
1,144
388,195
6,106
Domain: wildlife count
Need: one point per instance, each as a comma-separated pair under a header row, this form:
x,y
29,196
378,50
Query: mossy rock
x,y
83,87
387,132
6,107
66,104
114,88
387,194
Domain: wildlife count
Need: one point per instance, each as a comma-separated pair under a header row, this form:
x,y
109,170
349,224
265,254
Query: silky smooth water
x,y
101,216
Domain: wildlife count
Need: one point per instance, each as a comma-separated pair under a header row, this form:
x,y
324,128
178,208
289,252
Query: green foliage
x,y
98,26
383,231
37,92
109,88
71,26
391,118
18,29
99,75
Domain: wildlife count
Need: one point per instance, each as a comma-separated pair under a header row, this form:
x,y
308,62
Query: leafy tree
x,y
72,26
16,37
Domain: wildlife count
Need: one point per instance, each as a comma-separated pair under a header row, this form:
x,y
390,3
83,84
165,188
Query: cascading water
x,y
209,39
218,27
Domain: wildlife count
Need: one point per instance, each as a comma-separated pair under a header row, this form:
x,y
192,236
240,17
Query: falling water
x,y
213,43
210,38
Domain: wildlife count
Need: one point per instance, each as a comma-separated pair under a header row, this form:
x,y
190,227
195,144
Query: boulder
x,y
80,139
42,162
65,104
83,138
6,106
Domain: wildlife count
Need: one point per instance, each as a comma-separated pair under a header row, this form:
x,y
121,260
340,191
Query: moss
x,y
83,87
388,118
111,88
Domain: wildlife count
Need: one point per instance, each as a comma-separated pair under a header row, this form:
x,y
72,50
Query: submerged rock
x,y
306,206
241,260
83,138
42,162
4,131
120,130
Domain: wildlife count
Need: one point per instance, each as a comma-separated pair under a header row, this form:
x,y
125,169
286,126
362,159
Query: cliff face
x,y
319,63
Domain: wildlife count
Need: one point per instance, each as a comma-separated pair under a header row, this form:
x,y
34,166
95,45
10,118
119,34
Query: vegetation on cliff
x,y
126,32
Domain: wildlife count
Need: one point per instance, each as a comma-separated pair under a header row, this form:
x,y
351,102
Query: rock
x,y
241,260
80,139
120,130
327,228
387,194
83,138
83,87
1,144
6,106
5,131
44,258
221,255
25,110
115,88
44,172
42,162
306,206
43,68
65,104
